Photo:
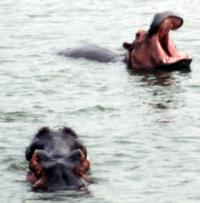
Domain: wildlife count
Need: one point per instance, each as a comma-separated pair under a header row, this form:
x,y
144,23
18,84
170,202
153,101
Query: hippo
x,y
57,160
91,52
151,50
154,48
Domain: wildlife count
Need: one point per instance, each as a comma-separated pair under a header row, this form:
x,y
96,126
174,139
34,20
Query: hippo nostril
x,y
137,36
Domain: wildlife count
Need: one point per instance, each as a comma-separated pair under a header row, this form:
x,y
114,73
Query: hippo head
x,y
57,159
155,48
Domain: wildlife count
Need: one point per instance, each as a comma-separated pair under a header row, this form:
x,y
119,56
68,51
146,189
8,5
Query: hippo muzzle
x,y
154,48
57,159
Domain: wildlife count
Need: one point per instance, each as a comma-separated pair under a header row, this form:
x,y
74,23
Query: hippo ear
x,y
42,131
67,130
128,46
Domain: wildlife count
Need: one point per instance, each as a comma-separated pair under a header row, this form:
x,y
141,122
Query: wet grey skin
x,y
59,154
91,52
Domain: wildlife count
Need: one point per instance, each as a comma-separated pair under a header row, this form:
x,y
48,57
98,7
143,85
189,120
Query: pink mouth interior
x,y
169,47
166,44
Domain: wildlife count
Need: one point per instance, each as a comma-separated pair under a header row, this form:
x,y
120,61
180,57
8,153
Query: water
x,y
141,131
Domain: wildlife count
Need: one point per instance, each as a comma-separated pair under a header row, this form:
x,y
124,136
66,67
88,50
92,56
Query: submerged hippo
x,y
57,159
154,48
91,52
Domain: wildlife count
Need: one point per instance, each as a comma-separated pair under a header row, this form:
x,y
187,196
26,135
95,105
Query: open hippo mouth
x,y
161,26
154,49
163,35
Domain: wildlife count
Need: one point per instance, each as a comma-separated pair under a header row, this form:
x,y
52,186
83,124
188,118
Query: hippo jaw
x,y
167,50
155,49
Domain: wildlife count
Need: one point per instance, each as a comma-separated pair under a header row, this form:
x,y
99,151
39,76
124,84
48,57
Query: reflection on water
x,y
163,87
141,129
61,195
158,78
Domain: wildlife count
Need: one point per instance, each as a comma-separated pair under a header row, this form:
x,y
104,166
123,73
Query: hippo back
x,y
91,52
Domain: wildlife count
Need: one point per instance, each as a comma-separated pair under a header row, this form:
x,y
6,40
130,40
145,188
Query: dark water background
x,y
141,131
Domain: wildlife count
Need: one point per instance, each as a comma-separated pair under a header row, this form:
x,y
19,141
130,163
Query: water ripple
x,y
141,129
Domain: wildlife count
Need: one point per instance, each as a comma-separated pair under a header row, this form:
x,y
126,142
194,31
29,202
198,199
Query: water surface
x,y
141,130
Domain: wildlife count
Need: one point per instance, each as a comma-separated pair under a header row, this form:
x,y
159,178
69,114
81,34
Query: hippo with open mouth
x,y
150,50
57,160
155,49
